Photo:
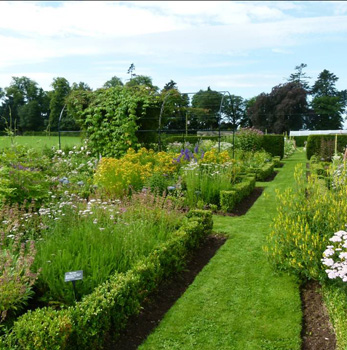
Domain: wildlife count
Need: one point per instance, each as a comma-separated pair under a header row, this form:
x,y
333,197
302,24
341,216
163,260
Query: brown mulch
x,y
317,332
154,309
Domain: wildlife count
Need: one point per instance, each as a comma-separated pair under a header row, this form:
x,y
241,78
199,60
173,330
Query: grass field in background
x,y
40,142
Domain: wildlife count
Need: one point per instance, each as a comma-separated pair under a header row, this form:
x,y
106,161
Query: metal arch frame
x,y
224,93
60,116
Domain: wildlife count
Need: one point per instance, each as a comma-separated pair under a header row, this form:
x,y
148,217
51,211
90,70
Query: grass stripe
x,y
238,301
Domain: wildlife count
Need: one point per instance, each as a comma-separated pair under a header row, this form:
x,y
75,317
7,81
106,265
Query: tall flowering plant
x,y
335,256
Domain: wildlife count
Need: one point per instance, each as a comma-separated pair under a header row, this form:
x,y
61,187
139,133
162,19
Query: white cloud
x,y
87,18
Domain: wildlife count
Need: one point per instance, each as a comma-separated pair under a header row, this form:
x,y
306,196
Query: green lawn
x,y
39,142
238,301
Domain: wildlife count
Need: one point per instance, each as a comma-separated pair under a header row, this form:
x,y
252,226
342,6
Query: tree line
x,y
292,105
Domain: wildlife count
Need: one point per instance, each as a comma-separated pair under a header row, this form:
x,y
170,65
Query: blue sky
x,y
243,47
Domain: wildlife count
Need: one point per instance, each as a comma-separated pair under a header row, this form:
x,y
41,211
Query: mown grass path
x,y
238,301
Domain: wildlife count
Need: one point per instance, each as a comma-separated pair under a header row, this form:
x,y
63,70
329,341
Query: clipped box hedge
x,y
277,161
84,325
229,199
274,144
264,172
323,146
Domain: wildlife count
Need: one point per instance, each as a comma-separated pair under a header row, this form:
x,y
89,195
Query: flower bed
x,y
84,325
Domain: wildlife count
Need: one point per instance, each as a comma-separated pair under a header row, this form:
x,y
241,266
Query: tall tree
x,y
173,109
170,85
206,105
27,104
131,71
81,86
328,103
61,89
234,111
325,84
282,110
300,76
142,80
114,81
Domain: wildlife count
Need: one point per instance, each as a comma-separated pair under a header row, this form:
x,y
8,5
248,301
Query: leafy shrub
x,y
204,182
23,175
16,274
119,177
129,230
113,302
229,199
249,139
274,145
307,215
111,117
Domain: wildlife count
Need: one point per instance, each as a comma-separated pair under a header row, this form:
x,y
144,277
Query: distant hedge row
x,y
274,144
300,140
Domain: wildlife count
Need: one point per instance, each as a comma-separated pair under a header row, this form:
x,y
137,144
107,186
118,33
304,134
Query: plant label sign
x,y
73,276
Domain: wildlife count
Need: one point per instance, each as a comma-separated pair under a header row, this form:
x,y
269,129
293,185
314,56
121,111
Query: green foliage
x,y
282,110
40,329
237,301
16,276
204,182
111,117
130,231
228,200
328,103
323,146
158,183
26,103
61,89
300,140
307,216
205,112
273,144
263,172
336,302
22,176
111,303
249,139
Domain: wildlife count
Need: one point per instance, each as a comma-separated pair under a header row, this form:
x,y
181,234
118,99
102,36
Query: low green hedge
x,y
229,199
323,146
274,144
264,172
277,161
85,325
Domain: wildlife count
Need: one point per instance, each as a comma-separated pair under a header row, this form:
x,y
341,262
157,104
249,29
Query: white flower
x,y
331,274
328,262
328,252
335,239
